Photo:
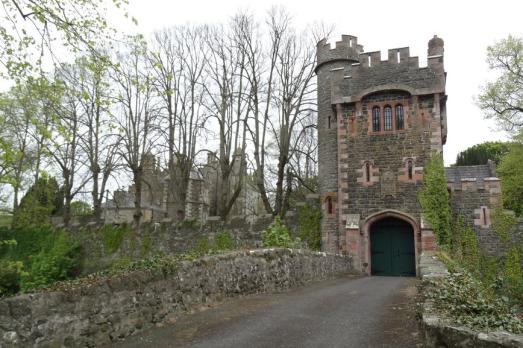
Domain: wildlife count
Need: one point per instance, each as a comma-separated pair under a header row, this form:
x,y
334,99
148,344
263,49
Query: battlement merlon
x,y
347,50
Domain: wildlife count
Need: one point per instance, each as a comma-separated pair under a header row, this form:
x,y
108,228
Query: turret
x,y
346,50
435,53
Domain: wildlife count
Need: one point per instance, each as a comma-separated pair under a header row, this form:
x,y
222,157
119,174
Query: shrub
x,y
276,235
309,226
59,261
463,298
512,274
223,241
113,236
11,273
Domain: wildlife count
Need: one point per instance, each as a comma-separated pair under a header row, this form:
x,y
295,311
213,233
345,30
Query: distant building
x,y
201,196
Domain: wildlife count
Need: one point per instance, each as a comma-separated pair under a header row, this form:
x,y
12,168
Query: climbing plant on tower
x,y
434,199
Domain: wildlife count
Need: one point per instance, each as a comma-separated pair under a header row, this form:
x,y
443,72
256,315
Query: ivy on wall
x,y
434,199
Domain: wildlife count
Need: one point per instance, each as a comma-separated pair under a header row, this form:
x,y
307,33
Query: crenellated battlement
x,y
347,49
396,56
350,51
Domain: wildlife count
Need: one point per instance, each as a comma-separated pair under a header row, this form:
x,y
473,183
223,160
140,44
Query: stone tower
x,y
378,122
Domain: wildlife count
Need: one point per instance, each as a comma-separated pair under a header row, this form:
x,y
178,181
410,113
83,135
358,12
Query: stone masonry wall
x,y
98,311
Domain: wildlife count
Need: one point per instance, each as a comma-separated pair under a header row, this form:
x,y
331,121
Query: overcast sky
x,y
467,28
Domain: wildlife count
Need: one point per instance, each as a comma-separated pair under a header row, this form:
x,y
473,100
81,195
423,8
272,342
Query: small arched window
x,y
376,127
399,117
367,172
329,205
387,118
410,168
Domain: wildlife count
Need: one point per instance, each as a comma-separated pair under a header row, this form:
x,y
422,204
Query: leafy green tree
x,y
481,153
502,99
42,200
44,26
81,208
510,171
434,199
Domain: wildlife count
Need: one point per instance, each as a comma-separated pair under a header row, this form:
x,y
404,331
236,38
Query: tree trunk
x,y
137,178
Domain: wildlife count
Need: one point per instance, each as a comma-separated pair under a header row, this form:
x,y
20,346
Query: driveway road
x,y
345,312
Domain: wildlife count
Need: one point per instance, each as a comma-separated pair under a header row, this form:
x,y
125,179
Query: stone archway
x,y
398,236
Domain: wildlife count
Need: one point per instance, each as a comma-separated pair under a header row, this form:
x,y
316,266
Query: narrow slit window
x,y
329,205
398,56
329,122
399,117
484,216
410,169
367,172
387,118
376,119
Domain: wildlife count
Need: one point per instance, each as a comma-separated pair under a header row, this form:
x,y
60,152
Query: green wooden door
x,y
392,248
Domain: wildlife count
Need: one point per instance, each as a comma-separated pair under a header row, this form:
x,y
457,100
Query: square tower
x,y
378,122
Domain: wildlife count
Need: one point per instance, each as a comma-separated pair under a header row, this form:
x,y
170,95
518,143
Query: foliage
x,y
81,208
11,273
434,199
41,200
30,240
37,26
5,220
308,228
192,224
223,241
462,297
512,274
510,172
113,236
464,245
58,261
481,153
502,222
276,235
146,244
502,100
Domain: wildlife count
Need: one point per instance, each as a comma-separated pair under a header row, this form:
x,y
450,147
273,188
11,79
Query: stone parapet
x,y
97,311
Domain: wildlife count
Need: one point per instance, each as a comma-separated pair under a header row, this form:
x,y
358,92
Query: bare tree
x,y
281,95
137,116
64,144
96,138
179,59
228,107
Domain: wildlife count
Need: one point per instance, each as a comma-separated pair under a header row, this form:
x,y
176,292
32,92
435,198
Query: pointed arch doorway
x,y
392,248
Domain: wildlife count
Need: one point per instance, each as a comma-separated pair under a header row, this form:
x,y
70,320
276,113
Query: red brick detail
x,y
428,240
329,203
404,102
482,217
417,172
353,247
374,174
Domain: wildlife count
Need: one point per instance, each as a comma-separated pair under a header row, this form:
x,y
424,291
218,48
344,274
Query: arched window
x,y
376,119
410,168
399,117
387,118
329,205
367,172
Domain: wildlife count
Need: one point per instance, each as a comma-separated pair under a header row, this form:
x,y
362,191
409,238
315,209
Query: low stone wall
x,y
438,332
98,311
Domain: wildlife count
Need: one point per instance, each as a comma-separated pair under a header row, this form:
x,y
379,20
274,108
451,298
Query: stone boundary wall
x,y
100,311
441,333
